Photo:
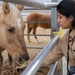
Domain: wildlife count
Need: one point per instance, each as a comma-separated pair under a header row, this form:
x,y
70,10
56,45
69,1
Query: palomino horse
x,y
12,34
35,20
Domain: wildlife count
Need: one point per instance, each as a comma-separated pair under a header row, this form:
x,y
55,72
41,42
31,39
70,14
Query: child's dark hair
x,y
67,8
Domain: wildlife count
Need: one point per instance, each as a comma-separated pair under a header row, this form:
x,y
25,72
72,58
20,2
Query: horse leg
x,y
29,30
34,32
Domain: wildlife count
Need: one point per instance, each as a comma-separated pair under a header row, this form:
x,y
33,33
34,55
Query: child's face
x,y
64,21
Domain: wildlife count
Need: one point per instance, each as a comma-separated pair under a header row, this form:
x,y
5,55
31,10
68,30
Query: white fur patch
x,y
19,22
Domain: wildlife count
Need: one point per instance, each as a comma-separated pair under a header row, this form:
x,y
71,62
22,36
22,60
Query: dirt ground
x,y
8,70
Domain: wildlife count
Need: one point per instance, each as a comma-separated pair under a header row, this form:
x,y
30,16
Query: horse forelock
x,y
16,15
19,22
13,12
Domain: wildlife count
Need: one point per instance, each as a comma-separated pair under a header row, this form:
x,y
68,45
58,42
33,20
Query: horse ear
x,y
5,8
20,7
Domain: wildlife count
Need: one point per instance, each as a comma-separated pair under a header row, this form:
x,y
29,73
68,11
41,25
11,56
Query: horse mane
x,y
15,10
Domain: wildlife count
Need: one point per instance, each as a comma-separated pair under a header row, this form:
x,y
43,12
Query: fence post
x,y
54,24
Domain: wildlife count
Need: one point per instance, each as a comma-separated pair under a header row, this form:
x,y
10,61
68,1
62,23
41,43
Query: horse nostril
x,y
21,59
27,58
24,58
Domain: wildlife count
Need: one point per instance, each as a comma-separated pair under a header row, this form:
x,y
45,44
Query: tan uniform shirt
x,y
61,49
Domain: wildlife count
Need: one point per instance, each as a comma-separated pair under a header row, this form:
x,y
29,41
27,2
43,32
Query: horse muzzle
x,y
21,60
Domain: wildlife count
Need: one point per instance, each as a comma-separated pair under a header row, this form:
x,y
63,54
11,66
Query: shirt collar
x,y
72,35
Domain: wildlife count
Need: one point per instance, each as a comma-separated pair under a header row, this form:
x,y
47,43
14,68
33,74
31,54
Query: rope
x,y
60,32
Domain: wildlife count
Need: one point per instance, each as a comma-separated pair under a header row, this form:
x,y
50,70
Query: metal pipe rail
x,y
34,3
37,34
34,9
37,21
32,68
34,47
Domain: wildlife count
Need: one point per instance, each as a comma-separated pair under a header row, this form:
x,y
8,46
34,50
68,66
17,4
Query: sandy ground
x,y
7,69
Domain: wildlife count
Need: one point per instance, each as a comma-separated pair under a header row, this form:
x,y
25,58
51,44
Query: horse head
x,y
12,33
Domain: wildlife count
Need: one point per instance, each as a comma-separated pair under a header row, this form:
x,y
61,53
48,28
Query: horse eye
x,y
12,29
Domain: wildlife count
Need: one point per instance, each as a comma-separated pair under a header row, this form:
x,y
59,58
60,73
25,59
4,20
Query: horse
x,y
36,19
12,34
